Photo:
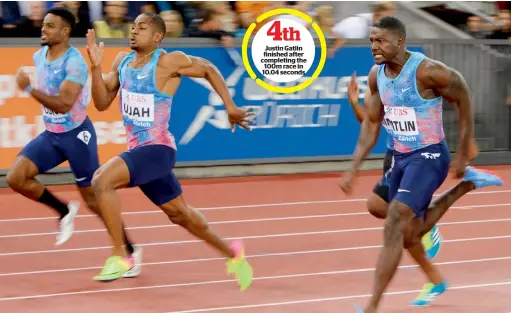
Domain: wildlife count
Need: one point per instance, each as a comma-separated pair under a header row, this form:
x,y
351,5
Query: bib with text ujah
x,y
50,116
401,121
138,108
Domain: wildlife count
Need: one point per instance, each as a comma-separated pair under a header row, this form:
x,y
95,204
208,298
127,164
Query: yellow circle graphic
x,y
277,89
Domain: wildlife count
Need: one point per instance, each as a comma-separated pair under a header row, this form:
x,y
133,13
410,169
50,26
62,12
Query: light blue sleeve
x,y
76,69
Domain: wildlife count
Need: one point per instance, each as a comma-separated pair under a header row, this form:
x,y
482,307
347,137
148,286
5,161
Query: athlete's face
x,y
54,30
143,34
385,44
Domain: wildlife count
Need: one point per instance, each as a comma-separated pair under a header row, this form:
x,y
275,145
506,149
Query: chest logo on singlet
x,y
401,121
138,108
53,117
142,76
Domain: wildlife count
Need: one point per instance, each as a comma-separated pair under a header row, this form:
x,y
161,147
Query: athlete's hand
x,y
346,182
241,117
94,51
22,79
353,92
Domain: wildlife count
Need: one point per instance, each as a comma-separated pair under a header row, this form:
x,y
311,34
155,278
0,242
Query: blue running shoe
x,y
481,178
432,242
359,309
429,293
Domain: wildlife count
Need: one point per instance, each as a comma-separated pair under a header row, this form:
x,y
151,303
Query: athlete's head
x,y
57,26
388,36
148,31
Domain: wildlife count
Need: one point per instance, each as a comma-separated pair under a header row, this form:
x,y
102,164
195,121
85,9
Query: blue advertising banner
x,y
316,122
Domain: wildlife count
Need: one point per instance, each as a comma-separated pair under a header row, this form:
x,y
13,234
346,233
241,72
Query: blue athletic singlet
x,y
411,121
145,110
50,75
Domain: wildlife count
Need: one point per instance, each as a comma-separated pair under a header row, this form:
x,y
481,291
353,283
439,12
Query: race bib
x,y
401,121
53,117
138,108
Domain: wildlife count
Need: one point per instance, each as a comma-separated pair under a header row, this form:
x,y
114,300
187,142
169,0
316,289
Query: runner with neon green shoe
x,y
147,79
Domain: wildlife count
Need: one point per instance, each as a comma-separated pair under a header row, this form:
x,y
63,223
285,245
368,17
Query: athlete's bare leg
x,y
441,204
108,178
400,231
180,213
21,178
89,197
419,255
378,208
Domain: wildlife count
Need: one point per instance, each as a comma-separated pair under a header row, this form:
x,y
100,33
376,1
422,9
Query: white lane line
x,y
168,225
257,220
249,206
261,255
215,282
251,237
351,297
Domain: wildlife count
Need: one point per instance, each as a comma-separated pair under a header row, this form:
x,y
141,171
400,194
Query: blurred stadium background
x,y
311,131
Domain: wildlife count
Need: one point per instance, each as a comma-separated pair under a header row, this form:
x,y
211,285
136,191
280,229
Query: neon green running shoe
x,y
115,267
239,266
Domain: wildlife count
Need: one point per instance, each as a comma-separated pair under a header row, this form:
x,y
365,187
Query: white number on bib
x,y
138,108
401,121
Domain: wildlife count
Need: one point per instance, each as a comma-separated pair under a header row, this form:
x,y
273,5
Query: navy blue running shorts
x,y
78,146
151,169
418,174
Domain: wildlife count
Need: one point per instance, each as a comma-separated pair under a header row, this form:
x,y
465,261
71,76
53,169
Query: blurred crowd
x,y
483,29
222,20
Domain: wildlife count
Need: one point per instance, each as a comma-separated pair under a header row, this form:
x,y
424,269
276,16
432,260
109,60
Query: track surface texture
x,y
313,249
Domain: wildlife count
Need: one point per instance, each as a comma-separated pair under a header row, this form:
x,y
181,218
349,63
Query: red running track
x,y
313,250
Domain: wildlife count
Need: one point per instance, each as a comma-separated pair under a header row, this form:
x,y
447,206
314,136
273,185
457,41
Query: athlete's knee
x,y
15,180
183,215
100,182
377,206
408,225
398,223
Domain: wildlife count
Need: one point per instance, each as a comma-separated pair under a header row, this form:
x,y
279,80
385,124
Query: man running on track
x,y
377,203
147,79
406,97
69,135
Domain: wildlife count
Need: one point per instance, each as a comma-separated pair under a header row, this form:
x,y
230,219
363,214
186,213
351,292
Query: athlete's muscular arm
x,y
198,67
68,93
105,89
61,103
451,85
371,124
369,131
191,66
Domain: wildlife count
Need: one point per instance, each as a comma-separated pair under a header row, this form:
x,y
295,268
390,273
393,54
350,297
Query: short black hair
x,y
392,23
64,14
157,22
